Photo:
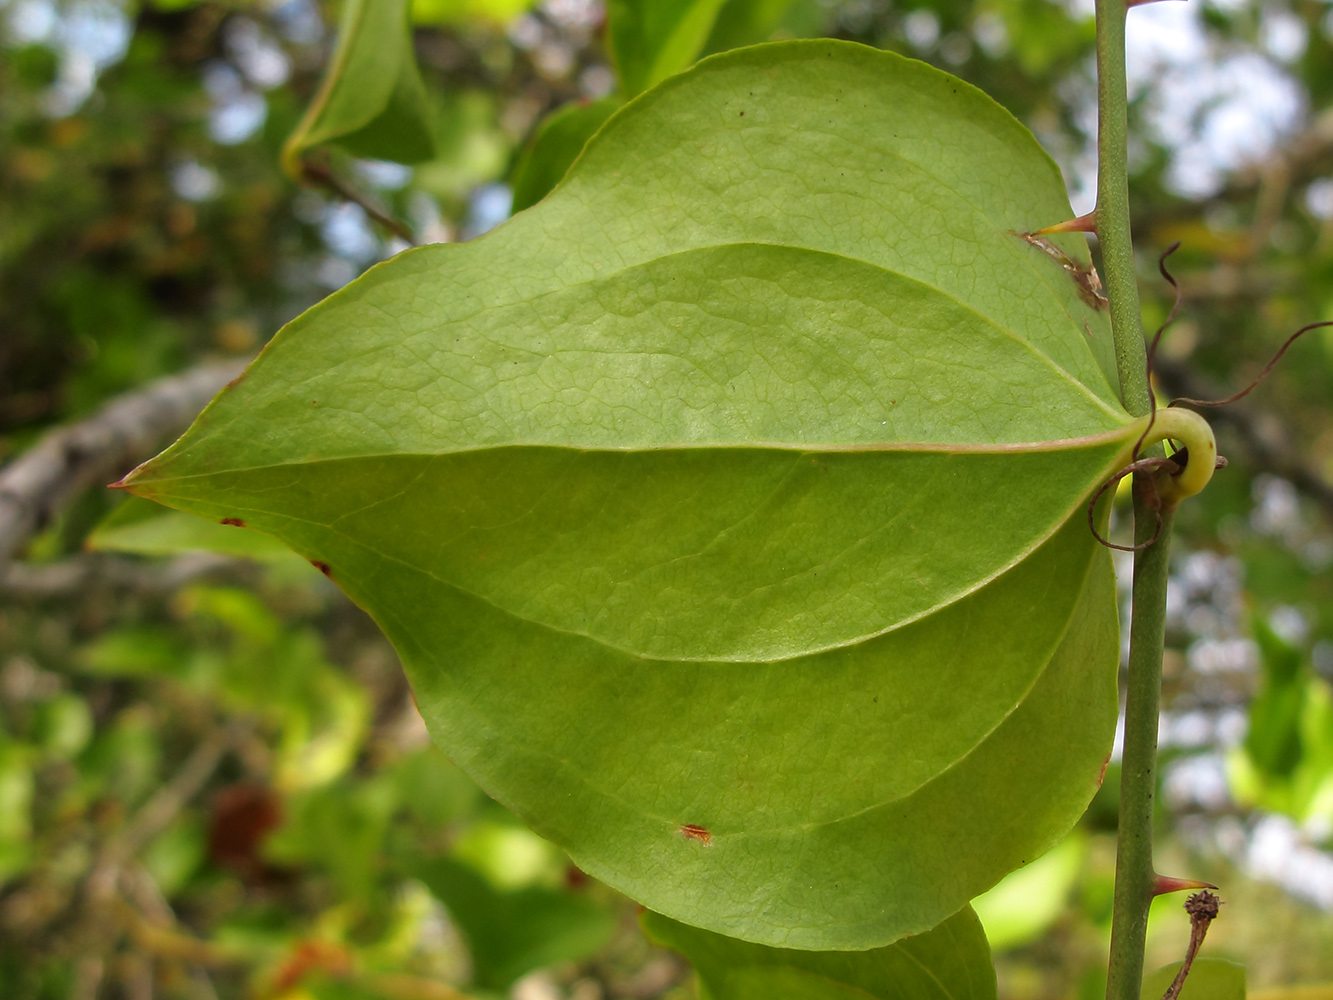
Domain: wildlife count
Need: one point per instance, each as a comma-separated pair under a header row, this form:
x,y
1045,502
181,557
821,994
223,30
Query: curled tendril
x,y
1176,464
1140,465
1261,376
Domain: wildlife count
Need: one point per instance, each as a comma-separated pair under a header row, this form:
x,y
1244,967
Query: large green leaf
x,y
950,962
726,508
372,101
511,932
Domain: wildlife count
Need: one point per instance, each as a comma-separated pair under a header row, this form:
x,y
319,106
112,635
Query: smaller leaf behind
x,y
1209,979
512,932
372,102
144,528
950,962
554,146
459,11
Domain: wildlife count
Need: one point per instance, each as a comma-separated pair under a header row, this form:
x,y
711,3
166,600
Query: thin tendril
x,y
1262,375
1142,465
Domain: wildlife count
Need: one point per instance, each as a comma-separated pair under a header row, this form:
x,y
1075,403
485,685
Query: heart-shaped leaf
x,y
372,101
726,506
950,962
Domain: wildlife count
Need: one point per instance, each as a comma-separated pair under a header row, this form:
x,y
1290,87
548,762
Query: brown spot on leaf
x,y
323,567
1102,777
234,522
1085,277
234,382
691,831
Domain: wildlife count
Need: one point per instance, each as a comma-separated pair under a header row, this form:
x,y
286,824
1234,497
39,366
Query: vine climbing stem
x,y
1134,861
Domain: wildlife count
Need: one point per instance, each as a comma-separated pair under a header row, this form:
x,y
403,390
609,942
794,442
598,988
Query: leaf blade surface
x,y
726,506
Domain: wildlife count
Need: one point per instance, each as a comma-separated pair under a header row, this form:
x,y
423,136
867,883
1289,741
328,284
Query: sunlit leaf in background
x,y
1027,902
1209,979
372,102
649,40
456,11
949,962
554,146
146,529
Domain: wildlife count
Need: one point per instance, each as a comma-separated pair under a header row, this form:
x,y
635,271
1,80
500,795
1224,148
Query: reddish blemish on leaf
x,y
1102,777
237,379
692,832
234,522
323,567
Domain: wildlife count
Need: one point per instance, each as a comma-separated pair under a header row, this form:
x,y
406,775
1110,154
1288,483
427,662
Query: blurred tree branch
x,y
70,577
40,483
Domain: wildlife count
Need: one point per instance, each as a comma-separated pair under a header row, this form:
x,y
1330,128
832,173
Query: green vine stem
x,y
1134,862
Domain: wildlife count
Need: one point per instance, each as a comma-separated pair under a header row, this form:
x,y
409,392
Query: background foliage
x,y
232,744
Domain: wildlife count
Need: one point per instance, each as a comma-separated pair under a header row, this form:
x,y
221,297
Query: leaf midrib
x,y
627,269
283,336
147,484
945,601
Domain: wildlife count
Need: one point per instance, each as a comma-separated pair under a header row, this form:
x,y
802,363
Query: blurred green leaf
x,y
649,40
340,828
144,528
555,145
433,789
134,652
1209,979
1274,737
513,932
456,11
124,761
950,962
509,854
176,854
16,791
372,101
746,22
62,727
1025,903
